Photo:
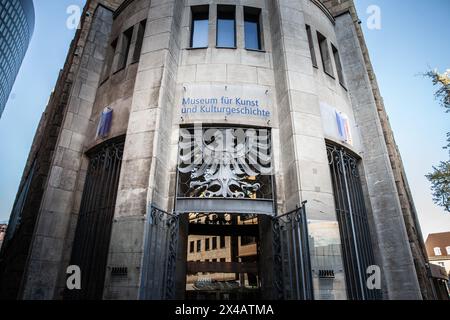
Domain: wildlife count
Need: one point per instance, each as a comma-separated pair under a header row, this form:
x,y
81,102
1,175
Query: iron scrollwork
x,y
357,250
160,255
225,163
292,264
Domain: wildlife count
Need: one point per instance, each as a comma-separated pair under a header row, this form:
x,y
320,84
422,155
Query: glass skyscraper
x,y
16,29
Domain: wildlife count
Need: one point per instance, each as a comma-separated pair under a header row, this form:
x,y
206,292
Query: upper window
x,y
139,41
337,60
109,60
448,250
325,54
226,26
252,26
125,49
311,46
437,251
199,28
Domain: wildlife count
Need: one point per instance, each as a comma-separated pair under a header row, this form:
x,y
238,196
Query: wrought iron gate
x,y
93,232
292,262
357,249
160,255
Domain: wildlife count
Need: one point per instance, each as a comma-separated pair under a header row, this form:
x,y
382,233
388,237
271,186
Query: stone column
x,y
397,263
303,151
146,168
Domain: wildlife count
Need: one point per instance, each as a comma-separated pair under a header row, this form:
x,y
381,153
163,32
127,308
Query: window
x,y
311,46
192,246
139,41
437,251
125,49
337,60
252,26
325,54
207,244
199,245
448,250
441,264
226,26
223,260
222,242
214,243
109,59
199,27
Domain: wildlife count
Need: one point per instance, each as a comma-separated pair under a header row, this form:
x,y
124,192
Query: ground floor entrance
x,y
223,257
212,256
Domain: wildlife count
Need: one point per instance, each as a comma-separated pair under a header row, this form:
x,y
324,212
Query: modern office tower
x,y
16,30
203,150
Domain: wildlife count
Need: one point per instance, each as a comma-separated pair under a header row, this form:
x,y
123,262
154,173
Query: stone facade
x,y
142,71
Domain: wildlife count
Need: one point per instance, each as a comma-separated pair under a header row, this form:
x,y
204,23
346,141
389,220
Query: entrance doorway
x,y
210,256
223,257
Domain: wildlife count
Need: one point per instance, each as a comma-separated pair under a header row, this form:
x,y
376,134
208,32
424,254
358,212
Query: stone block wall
x,y
145,172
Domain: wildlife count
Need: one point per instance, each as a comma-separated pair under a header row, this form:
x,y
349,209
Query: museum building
x,y
203,149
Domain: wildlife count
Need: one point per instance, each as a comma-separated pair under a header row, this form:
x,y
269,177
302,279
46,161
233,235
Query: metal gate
x,y
292,260
351,211
160,255
291,264
93,232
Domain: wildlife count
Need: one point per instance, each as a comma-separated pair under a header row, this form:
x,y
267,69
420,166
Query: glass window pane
x,y
252,17
252,35
200,34
226,33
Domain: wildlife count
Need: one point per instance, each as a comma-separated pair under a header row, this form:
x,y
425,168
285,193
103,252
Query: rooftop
x,y
441,241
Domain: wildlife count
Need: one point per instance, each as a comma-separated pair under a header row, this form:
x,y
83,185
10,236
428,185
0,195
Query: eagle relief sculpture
x,y
224,162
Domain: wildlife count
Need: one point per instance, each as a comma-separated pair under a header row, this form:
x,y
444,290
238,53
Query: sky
x,y
413,38
34,83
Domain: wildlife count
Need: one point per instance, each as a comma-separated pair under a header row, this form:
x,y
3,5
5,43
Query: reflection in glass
x,y
200,34
200,19
326,260
226,27
252,29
